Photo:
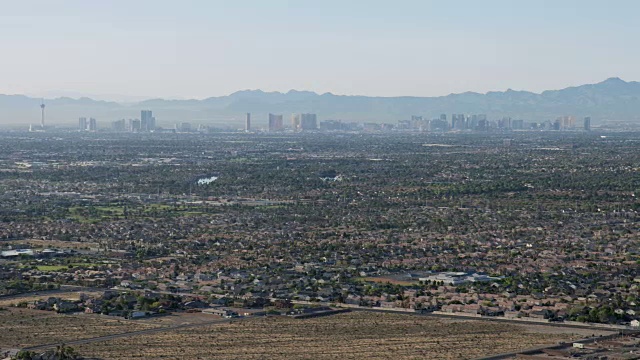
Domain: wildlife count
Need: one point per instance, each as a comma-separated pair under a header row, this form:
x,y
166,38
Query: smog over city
x,y
319,180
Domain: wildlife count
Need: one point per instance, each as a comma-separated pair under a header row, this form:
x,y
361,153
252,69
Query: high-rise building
x,y
483,124
82,124
517,124
587,123
295,122
93,125
567,122
308,122
504,123
417,122
439,124
134,125
458,121
183,127
333,125
275,122
473,122
147,121
118,125
403,125
247,123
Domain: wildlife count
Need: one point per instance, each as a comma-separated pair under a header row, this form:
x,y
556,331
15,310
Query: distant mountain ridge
x,y
612,99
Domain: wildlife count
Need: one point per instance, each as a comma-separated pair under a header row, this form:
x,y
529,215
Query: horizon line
x,y
258,90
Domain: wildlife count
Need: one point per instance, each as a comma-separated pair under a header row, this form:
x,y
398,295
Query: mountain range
x,y
612,99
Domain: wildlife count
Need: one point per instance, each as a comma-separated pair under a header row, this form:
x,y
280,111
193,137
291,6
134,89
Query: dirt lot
x,y
66,295
391,280
354,335
57,244
179,318
24,327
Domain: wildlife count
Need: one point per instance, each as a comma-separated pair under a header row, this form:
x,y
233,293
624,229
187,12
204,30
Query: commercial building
x,y
566,122
82,124
17,253
587,123
457,278
275,122
332,125
337,125
439,124
504,123
134,125
517,124
308,122
93,124
247,123
118,125
147,121
404,125
458,122
183,127
295,122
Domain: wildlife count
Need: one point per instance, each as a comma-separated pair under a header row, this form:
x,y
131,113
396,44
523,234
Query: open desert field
x,y
57,244
23,327
10,301
388,279
354,335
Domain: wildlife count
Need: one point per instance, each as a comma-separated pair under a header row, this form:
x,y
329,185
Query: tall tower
x,y
275,122
147,121
42,120
587,123
308,122
93,124
82,124
295,122
247,124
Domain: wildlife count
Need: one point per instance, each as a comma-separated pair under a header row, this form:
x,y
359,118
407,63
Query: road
x,y
497,319
597,327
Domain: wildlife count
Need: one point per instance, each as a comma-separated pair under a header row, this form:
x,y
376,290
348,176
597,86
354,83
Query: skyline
x,y
202,49
611,99
293,179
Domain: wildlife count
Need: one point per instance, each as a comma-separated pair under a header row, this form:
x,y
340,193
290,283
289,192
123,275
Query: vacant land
x,y
24,327
58,244
388,279
346,336
10,301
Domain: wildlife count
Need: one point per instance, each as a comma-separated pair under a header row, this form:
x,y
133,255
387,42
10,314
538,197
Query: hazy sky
x,y
207,48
